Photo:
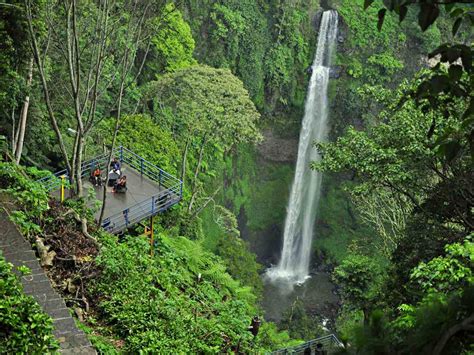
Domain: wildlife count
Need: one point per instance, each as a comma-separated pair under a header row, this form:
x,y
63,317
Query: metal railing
x,y
148,169
53,181
327,344
170,194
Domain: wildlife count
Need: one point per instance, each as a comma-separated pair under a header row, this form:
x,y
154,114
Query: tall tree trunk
x,y
39,64
74,63
14,130
114,140
24,115
196,173
466,324
80,148
366,312
184,160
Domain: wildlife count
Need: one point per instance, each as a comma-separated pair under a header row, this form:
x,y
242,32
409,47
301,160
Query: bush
x,y
180,299
24,328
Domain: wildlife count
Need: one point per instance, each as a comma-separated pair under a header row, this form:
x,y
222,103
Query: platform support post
x,y
152,241
63,182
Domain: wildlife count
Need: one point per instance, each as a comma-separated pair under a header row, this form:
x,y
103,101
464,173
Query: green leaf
x,y
427,15
466,58
456,12
470,111
423,90
448,7
367,3
381,16
451,54
456,25
441,49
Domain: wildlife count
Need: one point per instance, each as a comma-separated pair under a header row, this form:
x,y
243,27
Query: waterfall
x,y
306,188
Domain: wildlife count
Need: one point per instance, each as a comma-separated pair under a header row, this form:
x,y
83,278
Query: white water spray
x,y
305,191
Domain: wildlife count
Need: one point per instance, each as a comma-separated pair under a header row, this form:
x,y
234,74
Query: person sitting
x,y
115,166
95,177
121,184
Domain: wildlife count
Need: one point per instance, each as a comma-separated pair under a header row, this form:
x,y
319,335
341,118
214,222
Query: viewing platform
x,y
328,344
150,190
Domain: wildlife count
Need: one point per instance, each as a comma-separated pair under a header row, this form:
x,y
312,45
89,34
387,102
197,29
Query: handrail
x,y
149,207
53,182
171,193
326,343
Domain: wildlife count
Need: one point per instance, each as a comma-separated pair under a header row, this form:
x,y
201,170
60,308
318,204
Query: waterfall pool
x,y
317,294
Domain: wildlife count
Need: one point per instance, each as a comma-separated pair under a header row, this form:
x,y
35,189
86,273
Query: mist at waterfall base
x,y
293,267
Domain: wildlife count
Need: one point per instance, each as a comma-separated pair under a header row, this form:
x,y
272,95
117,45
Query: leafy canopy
x,y
208,103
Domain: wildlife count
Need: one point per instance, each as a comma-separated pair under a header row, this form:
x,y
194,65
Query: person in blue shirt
x,y
115,165
115,172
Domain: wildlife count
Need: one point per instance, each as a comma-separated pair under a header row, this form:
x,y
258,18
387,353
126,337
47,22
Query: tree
x,y
172,43
359,278
16,72
453,83
240,261
94,47
298,324
210,108
428,162
387,213
139,132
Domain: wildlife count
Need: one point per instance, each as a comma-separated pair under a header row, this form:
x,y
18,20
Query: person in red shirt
x,y
96,179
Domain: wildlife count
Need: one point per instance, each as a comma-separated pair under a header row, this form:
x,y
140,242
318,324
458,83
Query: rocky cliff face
x,y
278,149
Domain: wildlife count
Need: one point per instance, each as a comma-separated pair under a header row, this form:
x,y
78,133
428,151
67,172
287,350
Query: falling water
x,y
305,191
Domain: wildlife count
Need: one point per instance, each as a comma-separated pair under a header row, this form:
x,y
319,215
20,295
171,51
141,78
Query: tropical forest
x,y
236,176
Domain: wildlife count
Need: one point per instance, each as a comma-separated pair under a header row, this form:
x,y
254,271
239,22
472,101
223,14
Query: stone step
x,y
85,350
17,251
71,340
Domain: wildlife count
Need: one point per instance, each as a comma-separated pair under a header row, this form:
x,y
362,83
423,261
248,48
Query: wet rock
x,y
274,148
335,72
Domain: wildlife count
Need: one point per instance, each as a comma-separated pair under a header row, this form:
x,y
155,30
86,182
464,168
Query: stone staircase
x,y
17,251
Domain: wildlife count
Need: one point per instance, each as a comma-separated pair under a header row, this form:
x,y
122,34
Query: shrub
x,y
24,328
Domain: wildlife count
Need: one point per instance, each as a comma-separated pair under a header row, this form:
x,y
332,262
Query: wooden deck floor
x,y
139,188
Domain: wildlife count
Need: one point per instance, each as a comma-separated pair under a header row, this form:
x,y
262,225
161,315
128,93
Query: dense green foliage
x,y
299,324
188,86
182,298
266,44
139,133
208,104
24,327
412,182
173,44
416,225
359,278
